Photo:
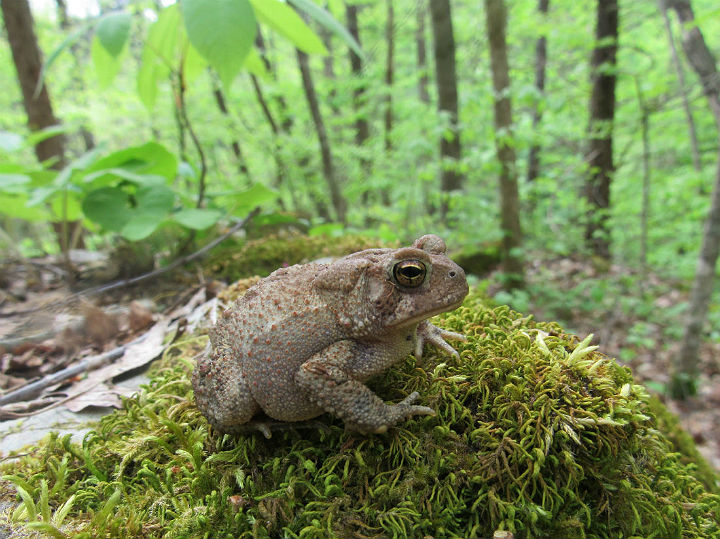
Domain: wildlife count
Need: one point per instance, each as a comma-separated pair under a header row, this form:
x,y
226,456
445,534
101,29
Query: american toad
x,y
303,340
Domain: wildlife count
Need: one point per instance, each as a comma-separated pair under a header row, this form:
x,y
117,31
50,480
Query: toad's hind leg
x,y
222,393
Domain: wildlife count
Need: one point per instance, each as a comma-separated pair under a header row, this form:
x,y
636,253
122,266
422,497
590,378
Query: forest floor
x,y
635,318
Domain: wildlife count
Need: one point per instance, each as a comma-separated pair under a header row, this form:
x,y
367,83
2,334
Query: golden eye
x,y
410,273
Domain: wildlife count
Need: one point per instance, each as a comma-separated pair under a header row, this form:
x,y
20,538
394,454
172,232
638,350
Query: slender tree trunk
x,y
421,52
286,118
692,131
685,364
645,210
362,129
329,69
602,114
533,170
389,73
496,19
336,197
222,106
27,57
444,50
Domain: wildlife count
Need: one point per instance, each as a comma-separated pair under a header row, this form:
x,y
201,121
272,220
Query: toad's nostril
x,y
452,274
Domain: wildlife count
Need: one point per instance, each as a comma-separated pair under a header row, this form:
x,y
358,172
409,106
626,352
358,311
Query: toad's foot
x,y
426,332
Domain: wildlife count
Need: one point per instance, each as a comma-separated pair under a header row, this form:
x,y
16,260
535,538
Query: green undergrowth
x,y
536,433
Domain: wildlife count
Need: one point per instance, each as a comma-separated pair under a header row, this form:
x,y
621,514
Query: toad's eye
x,y
410,273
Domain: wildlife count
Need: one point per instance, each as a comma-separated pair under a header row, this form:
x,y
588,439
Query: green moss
x,y
683,443
265,255
535,433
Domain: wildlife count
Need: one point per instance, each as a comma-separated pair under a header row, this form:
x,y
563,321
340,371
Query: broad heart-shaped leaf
x,y
222,31
112,31
155,199
108,207
284,20
141,226
197,219
106,65
322,17
147,159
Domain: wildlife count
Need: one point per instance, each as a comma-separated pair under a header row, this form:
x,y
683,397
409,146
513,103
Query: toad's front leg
x,y
330,379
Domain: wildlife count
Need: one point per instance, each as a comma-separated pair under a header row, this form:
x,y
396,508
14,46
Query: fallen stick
x,y
31,390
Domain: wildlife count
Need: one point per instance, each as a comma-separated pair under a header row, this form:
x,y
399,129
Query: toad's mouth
x,y
450,304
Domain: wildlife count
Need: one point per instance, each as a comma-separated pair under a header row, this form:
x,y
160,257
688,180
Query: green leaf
x,y
106,65
36,137
108,207
158,56
113,31
154,199
72,212
141,226
17,206
197,219
255,65
151,158
285,20
324,18
10,142
222,31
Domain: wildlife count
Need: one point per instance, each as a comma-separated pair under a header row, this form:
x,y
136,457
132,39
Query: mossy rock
x,y
536,433
265,255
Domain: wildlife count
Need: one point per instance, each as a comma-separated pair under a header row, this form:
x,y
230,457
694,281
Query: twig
x,y
127,282
30,390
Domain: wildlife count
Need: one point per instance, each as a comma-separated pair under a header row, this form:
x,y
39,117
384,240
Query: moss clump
x,y
535,433
265,255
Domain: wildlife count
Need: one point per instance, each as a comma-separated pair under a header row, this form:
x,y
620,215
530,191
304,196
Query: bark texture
x,y
704,64
446,79
602,115
389,72
496,19
540,63
421,52
336,197
26,56
362,129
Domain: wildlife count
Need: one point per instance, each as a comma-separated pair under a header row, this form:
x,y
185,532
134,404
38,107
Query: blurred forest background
x,y
566,151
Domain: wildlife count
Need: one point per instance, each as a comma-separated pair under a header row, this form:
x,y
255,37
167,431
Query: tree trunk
x,y
222,106
26,55
421,52
496,18
602,114
444,50
336,197
533,170
692,131
362,129
389,73
685,364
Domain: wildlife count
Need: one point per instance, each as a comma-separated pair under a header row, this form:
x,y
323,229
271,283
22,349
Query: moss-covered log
x,y
536,433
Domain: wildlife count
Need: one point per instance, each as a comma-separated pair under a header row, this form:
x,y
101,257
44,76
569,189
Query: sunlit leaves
x,y
222,31
325,19
113,31
284,20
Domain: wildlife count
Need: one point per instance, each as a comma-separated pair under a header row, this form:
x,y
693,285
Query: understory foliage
x,y
535,433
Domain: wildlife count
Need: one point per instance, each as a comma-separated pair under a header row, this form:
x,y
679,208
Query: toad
x,y
304,340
